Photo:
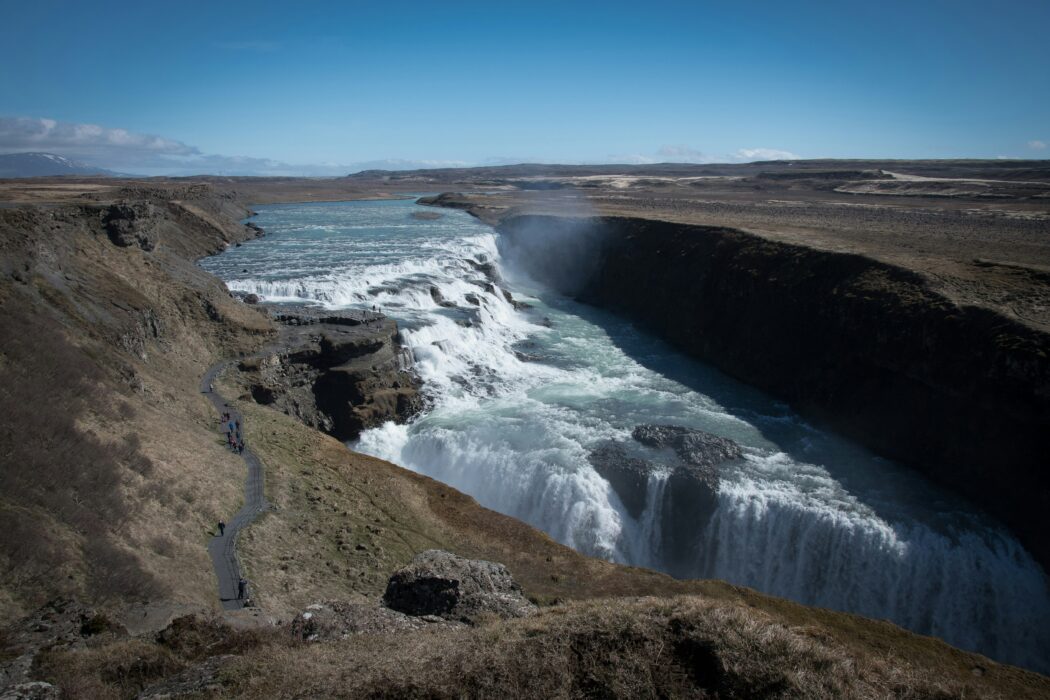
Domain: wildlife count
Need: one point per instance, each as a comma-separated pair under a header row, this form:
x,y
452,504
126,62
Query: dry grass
x,y
644,648
684,646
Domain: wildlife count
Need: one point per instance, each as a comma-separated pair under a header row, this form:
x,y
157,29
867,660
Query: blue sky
x,y
253,87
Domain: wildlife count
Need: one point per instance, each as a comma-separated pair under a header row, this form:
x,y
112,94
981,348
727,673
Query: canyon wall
x,y
961,393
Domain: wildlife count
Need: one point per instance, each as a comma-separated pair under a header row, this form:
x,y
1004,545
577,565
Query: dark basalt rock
x,y
487,268
518,305
339,372
131,224
439,298
690,495
448,586
335,619
629,476
692,446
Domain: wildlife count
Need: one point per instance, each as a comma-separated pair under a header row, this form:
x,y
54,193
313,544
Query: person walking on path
x,y
242,588
222,529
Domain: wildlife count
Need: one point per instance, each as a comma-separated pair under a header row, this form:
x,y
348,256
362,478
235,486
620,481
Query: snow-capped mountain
x,y
43,164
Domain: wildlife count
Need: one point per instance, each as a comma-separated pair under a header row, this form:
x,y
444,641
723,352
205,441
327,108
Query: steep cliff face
x,y
960,392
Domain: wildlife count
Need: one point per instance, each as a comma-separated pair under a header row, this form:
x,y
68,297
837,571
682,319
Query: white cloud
x,y
143,154
750,154
1037,145
23,133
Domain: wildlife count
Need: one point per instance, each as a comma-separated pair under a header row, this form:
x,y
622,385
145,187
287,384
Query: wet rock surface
x,y
444,585
629,476
440,299
341,372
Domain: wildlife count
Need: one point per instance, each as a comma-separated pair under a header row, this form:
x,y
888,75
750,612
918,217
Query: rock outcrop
x,y
444,585
60,624
33,690
200,680
628,476
690,495
129,224
340,372
693,447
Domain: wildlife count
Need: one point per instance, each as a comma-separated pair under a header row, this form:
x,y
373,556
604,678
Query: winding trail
x,y
223,550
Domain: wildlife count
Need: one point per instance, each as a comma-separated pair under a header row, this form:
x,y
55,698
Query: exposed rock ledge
x,y
690,495
340,372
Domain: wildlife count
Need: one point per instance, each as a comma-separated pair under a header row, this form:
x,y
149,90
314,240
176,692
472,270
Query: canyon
x,y
105,271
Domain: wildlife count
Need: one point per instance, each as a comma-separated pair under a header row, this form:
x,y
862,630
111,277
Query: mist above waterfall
x,y
520,397
559,253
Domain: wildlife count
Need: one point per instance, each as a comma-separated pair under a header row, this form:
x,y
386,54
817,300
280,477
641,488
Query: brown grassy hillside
x,y
109,479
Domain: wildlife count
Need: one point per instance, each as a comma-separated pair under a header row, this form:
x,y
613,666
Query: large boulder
x,y
445,585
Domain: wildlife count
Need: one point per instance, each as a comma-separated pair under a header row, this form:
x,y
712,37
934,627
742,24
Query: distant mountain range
x,y
45,164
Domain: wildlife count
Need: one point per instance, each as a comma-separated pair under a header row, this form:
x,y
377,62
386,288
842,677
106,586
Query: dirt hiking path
x,y
223,549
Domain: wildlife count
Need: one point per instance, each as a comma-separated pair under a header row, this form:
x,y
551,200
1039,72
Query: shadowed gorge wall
x,y
960,393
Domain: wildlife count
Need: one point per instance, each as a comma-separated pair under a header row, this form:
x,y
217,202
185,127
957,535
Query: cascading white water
x,y
519,398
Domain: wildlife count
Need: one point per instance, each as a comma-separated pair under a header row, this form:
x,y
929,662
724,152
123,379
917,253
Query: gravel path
x,y
223,550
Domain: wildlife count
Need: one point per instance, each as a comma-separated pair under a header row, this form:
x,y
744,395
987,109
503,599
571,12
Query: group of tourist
x,y
232,426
